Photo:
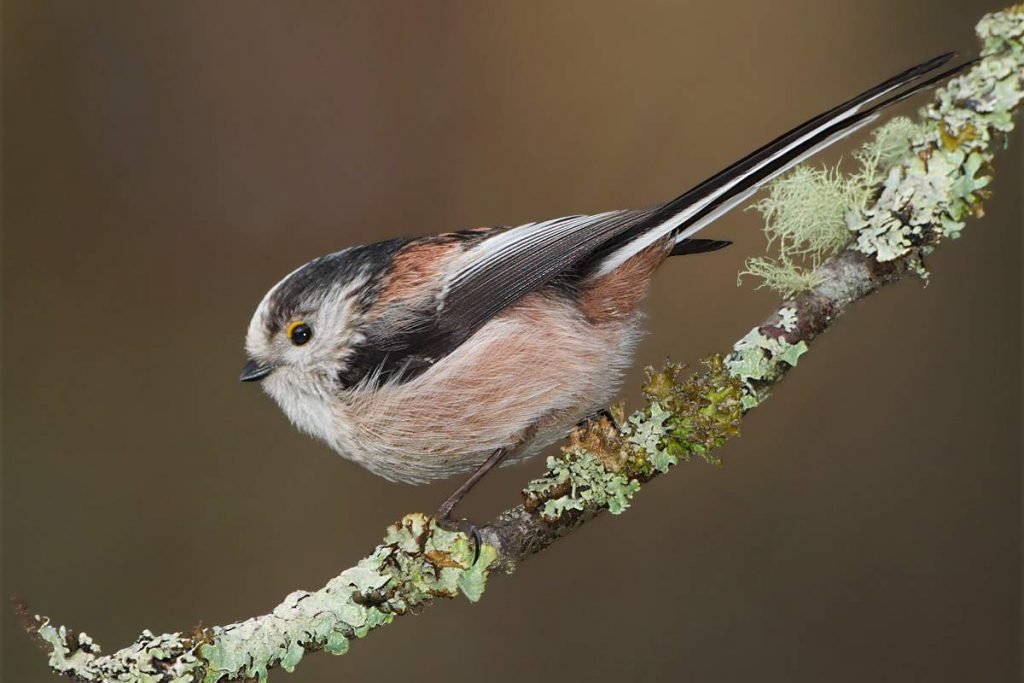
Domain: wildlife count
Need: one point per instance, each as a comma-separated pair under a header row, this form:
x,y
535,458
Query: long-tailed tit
x,y
422,358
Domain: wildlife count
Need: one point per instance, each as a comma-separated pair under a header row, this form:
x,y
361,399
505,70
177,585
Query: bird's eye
x,y
299,333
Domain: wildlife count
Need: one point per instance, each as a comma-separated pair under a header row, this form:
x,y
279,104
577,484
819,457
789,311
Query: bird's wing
x,y
487,277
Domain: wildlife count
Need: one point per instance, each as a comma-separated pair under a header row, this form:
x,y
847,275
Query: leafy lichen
x,y
1002,33
647,431
576,480
144,661
417,562
788,318
760,359
928,196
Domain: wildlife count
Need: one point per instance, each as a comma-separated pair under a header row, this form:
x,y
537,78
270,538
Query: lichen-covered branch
x,y
903,212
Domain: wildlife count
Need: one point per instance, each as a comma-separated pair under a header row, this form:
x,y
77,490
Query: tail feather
x,y
693,210
697,246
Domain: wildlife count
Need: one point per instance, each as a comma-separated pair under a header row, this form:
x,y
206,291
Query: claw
x,y
477,541
467,527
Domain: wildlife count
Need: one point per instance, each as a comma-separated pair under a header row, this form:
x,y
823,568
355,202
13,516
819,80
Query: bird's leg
x,y
444,513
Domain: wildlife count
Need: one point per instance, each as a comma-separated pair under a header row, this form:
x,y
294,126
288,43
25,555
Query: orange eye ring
x,y
299,332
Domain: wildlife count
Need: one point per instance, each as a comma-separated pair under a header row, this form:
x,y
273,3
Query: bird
x,y
423,358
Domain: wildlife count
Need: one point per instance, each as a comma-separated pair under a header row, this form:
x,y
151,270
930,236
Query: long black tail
x,y
694,209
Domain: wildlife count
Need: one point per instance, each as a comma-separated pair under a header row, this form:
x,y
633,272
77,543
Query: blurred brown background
x,y
165,163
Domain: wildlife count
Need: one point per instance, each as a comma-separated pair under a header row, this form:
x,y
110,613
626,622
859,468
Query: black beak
x,y
254,372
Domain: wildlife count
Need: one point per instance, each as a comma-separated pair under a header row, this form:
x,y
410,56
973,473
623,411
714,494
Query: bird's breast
x,y
537,370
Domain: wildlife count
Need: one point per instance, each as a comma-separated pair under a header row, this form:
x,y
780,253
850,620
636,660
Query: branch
x,y
925,197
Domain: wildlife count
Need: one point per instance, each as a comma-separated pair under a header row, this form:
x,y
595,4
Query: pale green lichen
x,y
782,274
648,431
929,195
806,211
143,661
1002,32
582,480
804,222
417,562
788,318
889,145
604,469
758,360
